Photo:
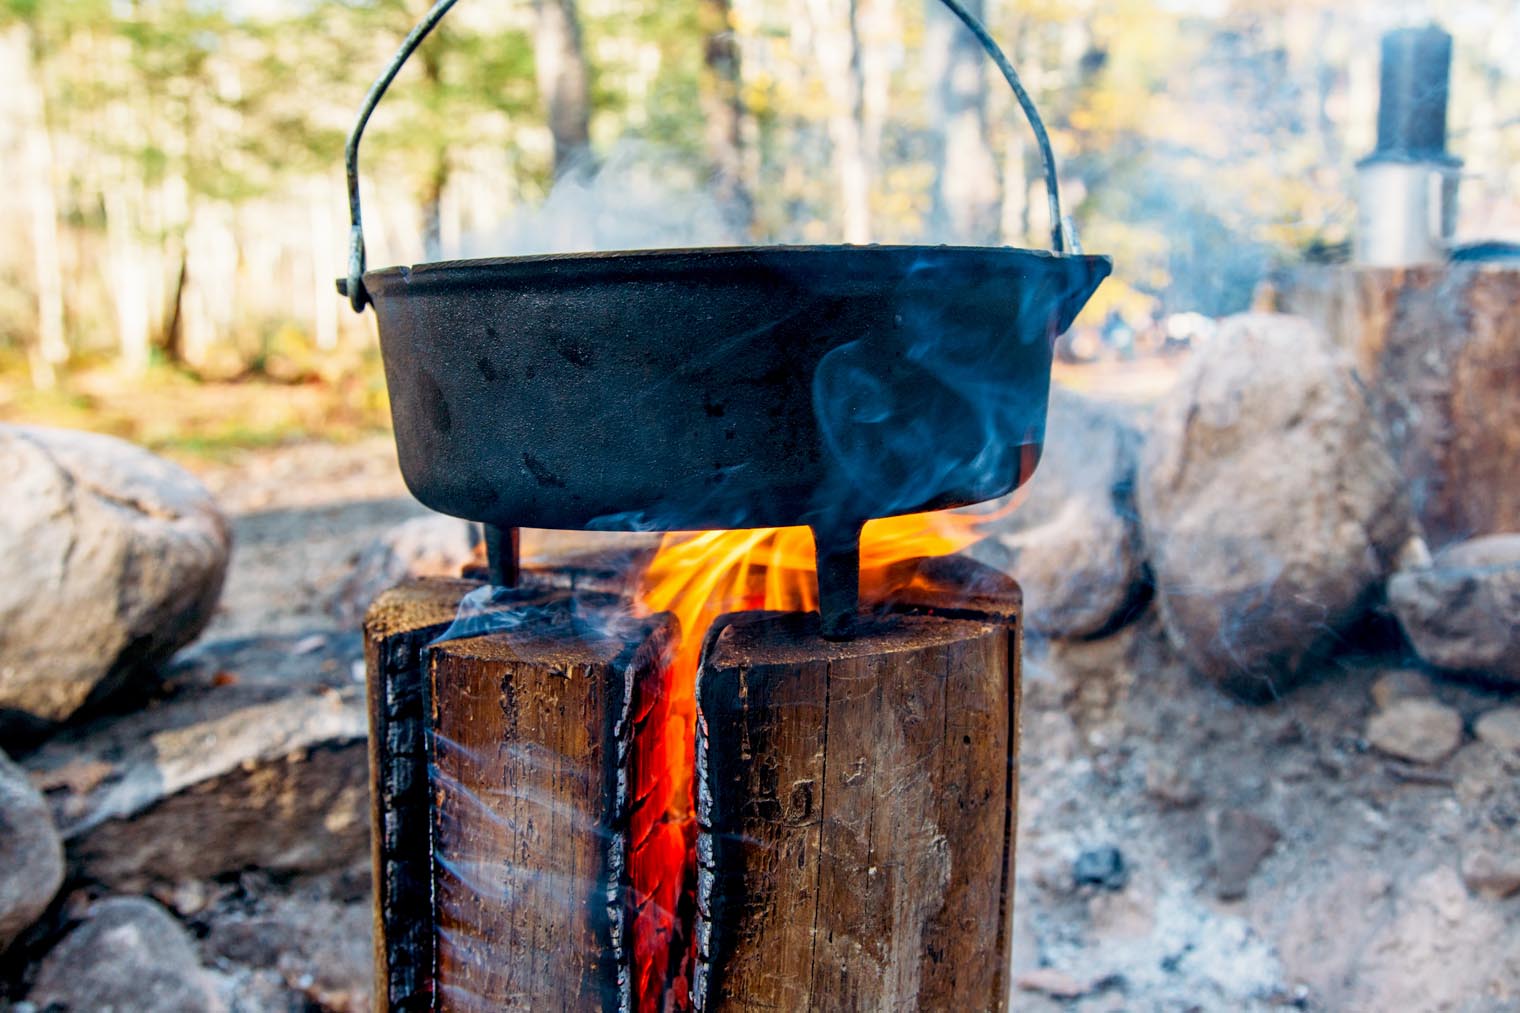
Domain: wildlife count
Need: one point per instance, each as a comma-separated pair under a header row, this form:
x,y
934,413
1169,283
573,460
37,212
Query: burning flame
x,y
698,577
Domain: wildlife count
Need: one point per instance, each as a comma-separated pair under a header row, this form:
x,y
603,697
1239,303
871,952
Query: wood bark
x,y
563,78
1439,349
857,803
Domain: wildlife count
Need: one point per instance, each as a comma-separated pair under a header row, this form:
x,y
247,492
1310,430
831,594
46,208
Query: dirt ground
x,y
1177,850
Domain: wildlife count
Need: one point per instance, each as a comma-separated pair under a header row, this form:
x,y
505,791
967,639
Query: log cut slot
x,y
856,804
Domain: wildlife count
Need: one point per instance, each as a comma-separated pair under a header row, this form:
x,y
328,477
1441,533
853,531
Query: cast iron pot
x,y
721,388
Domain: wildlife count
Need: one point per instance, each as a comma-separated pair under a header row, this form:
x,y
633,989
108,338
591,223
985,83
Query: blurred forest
x,y
175,191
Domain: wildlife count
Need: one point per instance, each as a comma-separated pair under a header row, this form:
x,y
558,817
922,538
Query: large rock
x,y
430,546
129,956
1462,612
31,853
1270,506
212,783
1073,542
110,560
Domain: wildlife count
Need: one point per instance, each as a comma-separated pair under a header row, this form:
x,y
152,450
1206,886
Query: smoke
x,y
487,610
635,197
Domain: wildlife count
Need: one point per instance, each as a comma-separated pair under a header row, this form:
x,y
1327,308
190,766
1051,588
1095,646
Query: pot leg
x,y
501,555
838,551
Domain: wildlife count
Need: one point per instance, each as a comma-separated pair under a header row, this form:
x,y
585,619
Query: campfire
x,y
775,767
658,786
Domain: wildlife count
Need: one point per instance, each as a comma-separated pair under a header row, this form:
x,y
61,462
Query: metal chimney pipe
x,y
1407,187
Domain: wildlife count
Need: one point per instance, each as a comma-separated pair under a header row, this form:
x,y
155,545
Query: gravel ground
x,y
1177,850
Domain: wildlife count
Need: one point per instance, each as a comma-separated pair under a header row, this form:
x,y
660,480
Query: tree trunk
x,y
563,79
326,257
129,282
836,41
723,109
52,350
968,193
438,173
172,340
432,209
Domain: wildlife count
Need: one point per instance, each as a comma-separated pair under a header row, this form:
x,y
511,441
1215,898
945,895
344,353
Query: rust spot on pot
x,y
541,473
436,405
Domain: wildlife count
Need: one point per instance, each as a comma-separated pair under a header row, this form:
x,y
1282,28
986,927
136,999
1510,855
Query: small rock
x,y
1500,729
129,955
1103,867
431,546
1491,865
212,783
185,898
1459,612
1056,984
1399,684
320,948
1418,730
1270,506
1167,782
123,556
1241,840
31,853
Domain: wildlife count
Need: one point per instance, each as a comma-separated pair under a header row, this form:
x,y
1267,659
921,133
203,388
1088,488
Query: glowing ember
x,y
698,577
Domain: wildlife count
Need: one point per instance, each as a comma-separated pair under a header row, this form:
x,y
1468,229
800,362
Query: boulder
x,y
129,956
210,783
31,853
112,560
1270,507
430,546
1460,611
1073,541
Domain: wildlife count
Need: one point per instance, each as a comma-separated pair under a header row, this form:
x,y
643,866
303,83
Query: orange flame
x,y
698,577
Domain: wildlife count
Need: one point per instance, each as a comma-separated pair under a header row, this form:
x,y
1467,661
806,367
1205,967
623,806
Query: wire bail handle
x,y
353,285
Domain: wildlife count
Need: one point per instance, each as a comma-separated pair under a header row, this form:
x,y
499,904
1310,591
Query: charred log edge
x,y
640,666
916,587
399,625
953,587
639,659
716,829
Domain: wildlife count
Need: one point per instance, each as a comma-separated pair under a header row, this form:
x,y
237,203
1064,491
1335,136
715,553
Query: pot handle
x,y
353,285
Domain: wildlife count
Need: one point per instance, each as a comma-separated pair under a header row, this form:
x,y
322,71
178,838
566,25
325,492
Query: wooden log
x,y
504,798
1439,348
857,803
